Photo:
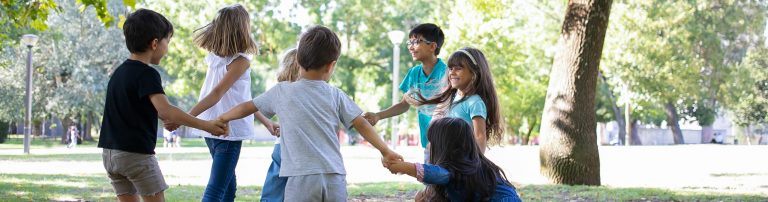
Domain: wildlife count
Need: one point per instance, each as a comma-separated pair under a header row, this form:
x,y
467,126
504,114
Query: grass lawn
x,y
17,142
35,187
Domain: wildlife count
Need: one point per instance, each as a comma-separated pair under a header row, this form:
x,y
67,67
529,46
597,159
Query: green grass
x,y
35,187
602,193
97,157
39,187
17,142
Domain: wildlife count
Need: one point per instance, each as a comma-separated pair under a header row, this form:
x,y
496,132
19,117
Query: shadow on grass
x,y
38,187
97,157
602,193
34,187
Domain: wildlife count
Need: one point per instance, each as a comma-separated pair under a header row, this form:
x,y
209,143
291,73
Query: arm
x,y
272,127
369,134
427,173
404,168
241,110
394,110
235,70
170,113
480,136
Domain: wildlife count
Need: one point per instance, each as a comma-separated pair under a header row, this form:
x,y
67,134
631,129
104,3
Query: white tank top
x,y
239,129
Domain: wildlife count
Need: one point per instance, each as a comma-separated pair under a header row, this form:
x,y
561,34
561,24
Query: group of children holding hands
x,y
458,115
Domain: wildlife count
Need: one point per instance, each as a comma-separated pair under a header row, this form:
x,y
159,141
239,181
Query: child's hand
x,y
390,157
274,129
371,117
217,127
412,99
170,126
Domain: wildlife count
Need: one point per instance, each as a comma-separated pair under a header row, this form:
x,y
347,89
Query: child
x,y
227,83
426,79
457,176
471,96
274,185
73,136
310,111
135,99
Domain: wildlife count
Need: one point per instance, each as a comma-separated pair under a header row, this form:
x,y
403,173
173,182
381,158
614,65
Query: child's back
x,y
310,112
130,119
239,92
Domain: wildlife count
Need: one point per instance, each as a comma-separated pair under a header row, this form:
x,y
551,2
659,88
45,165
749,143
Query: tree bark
x,y
635,136
568,152
87,129
672,122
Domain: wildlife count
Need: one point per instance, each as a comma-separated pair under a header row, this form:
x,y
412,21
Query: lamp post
x,y
28,40
396,37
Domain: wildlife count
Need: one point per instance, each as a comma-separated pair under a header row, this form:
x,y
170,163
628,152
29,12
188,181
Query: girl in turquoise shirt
x,y
471,96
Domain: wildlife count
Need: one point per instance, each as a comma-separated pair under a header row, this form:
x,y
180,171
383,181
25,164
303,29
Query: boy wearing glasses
x,y
426,79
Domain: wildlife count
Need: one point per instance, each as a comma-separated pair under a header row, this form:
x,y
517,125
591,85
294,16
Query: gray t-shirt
x,y
310,112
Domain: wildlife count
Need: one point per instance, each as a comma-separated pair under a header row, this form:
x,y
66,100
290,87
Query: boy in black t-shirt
x,y
135,100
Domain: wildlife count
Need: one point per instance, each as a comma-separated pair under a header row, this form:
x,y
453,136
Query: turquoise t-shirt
x,y
471,107
428,85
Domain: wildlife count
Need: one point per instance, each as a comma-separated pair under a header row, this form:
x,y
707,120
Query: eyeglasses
x,y
417,41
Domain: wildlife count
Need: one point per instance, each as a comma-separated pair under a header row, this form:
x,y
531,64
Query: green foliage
x,y
681,52
749,90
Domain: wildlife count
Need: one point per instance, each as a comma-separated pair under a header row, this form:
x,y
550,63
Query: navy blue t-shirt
x,y
130,119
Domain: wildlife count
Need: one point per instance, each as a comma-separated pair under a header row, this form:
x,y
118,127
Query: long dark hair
x,y
453,147
482,84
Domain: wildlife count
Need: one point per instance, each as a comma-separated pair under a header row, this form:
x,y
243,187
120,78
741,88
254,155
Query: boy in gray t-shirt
x,y
310,111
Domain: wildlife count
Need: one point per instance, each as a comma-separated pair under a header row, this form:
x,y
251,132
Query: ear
x,y
331,66
154,44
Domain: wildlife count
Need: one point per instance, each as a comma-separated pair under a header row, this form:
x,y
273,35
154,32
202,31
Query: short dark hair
x,y
318,46
430,32
142,26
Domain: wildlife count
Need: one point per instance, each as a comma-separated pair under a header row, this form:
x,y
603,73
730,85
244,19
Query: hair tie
x,y
468,55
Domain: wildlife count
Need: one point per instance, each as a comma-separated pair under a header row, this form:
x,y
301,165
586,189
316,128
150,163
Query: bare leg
x,y
159,197
128,198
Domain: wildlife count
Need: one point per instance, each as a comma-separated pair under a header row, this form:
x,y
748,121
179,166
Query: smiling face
x,y
420,48
460,76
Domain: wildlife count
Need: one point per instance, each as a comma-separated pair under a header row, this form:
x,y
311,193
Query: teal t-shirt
x,y
470,108
427,85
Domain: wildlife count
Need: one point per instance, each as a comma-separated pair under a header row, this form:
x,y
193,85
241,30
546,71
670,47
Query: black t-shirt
x,y
130,119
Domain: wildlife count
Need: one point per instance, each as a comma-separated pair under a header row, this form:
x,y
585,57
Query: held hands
x,y
390,158
371,117
274,129
217,127
170,126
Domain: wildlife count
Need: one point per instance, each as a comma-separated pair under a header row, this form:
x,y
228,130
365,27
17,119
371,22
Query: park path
x,y
716,168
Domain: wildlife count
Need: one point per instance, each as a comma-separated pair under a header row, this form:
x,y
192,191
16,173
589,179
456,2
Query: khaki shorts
x,y
133,173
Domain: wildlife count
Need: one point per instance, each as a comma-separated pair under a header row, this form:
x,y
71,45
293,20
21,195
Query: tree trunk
x,y
672,122
568,152
530,130
87,129
616,110
635,136
707,133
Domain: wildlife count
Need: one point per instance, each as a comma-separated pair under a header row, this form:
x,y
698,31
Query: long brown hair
x,y
228,33
481,84
453,147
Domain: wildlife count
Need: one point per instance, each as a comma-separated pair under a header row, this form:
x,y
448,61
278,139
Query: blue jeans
x,y
274,185
222,183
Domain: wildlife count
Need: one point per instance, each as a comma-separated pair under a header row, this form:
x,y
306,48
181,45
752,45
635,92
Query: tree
x,y
568,150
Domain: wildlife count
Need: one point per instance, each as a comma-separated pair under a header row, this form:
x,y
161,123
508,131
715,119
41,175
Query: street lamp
x,y
396,37
28,40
